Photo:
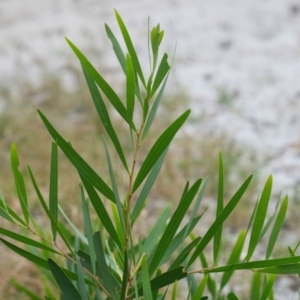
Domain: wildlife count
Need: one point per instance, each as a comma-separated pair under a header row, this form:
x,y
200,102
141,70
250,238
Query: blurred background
x,y
237,65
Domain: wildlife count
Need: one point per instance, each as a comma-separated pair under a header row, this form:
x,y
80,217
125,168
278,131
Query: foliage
x,y
107,260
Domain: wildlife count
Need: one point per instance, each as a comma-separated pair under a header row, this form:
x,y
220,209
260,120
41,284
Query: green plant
x,y
108,261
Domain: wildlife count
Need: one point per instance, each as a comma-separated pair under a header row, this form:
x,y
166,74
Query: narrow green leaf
x,y
152,238
154,108
256,286
162,71
101,211
78,162
268,287
234,257
117,48
146,280
25,240
68,290
103,85
158,148
147,186
174,291
114,185
53,189
286,261
104,116
125,276
259,218
130,47
81,284
211,283
106,276
8,213
184,253
88,228
199,292
47,211
277,226
130,88
19,182
218,234
173,226
220,220
281,269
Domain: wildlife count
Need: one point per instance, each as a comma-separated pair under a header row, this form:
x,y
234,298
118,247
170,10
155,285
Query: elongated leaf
x,y
47,211
156,231
147,186
68,289
146,280
154,108
106,276
53,189
282,269
256,286
114,185
81,284
103,85
268,287
211,283
277,226
218,235
234,257
130,48
259,218
8,213
162,71
104,116
125,276
199,292
117,48
101,211
78,162
19,182
259,265
158,148
220,220
130,88
88,228
173,226
25,240
184,253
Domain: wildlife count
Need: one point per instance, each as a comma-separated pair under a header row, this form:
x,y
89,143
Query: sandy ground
x,y
248,51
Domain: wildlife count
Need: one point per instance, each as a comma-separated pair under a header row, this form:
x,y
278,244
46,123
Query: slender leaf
x,y
158,148
268,287
146,280
19,182
172,227
259,218
78,162
23,289
25,240
103,85
106,276
218,234
9,213
104,116
47,211
130,48
281,269
88,228
199,292
147,186
68,290
114,185
220,220
53,189
81,284
6,215
256,286
101,211
125,276
162,71
234,257
130,88
277,227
